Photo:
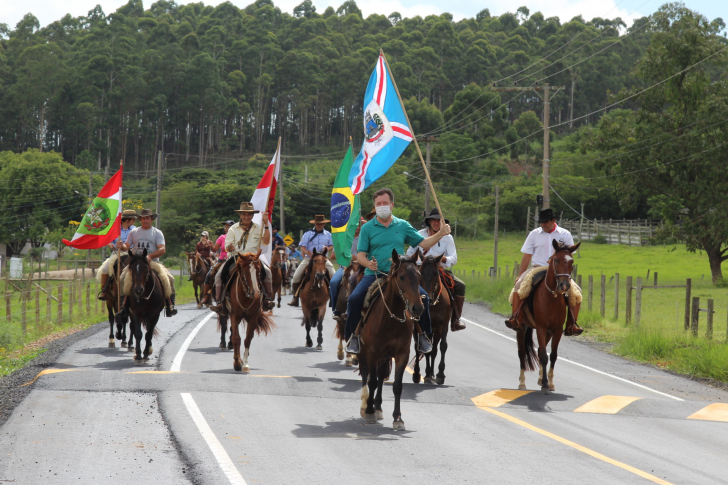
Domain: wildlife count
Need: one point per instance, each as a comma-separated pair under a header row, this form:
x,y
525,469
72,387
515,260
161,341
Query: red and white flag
x,y
267,188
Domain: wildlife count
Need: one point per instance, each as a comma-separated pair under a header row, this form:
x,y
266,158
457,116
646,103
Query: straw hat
x,y
146,213
319,219
370,216
129,214
247,207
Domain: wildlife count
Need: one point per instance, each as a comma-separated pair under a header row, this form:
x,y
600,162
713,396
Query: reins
x,y
401,295
154,283
556,275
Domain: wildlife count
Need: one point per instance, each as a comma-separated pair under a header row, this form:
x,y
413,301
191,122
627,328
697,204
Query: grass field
x,y
660,338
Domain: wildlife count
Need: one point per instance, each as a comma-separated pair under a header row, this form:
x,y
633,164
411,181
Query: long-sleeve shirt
x,y
123,235
236,236
445,246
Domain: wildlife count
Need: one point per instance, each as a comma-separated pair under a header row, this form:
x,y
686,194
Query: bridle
x,y
196,268
434,300
146,279
247,287
401,295
318,281
553,265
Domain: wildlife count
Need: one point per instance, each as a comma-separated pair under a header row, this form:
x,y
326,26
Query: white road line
x,y
581,365
177,362
223,459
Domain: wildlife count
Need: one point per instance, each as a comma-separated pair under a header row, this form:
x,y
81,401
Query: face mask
x,y
384,211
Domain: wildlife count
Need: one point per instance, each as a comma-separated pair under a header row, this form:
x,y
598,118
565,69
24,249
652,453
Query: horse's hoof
x,y
545,390
416,378
340,355
427,380
279,305
348,362
362,412
398,425
379,415
230,346
440,380
130,349
370,418
118,337
112,343
199,305
539,382
552,388
246,369
151,350
309,344
123,342
319,348
355,360
521,387
222,347
138,360
237,365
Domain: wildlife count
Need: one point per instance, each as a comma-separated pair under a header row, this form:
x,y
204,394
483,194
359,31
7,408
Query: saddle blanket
x,y
524,286
157,268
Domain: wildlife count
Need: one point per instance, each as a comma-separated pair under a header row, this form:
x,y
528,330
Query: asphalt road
x,y
188,417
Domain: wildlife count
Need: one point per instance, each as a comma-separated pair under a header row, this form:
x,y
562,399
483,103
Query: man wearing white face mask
x,y
377,239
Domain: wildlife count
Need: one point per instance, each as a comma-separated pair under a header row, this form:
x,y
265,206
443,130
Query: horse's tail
x,y
312,318
156,329
531,358
340,329
264,323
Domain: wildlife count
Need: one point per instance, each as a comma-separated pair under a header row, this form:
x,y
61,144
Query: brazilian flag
x,y
344,211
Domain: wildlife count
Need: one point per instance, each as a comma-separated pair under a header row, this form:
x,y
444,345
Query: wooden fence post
x,y
71,297
79,289
638,303
709,332
49,290
602,294
628,301
696,316
688,284
507,272
8,300
37,307
88,298
96,292
616,295
655,276
578,281
24,310
591,291
59,315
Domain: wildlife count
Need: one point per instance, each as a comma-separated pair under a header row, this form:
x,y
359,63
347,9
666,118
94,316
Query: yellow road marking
x,y
46,372
713,412
576,446
606,404
497,398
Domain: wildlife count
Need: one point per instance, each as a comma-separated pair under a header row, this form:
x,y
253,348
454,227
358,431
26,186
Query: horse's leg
x,y
521,339
543,359
226,322
383,374
135,328
540,370
440,379
340,350
250,332
400,363
320,328
151,324
112,342
416,374
554,356
235,331
222,322
364,372
278,290
369,415
307,322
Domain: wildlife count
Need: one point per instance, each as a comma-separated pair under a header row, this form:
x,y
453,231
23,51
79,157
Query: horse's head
x,y
318,264
248,267
140,271
404,277
279,255
192,260
430,272
562,263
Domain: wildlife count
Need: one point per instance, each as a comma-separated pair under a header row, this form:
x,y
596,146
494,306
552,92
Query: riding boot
x,y
205,295
124,310
104,282
170,310
572,329
268,303
514,323
455,324
294,290
220,308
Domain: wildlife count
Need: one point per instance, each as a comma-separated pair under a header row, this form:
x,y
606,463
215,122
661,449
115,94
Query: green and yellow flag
x,y
344,211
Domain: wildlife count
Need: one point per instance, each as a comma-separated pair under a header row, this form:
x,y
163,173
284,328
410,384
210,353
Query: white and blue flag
x,y
386,132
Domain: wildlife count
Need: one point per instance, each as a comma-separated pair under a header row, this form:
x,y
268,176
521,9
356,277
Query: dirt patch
x,y
68,274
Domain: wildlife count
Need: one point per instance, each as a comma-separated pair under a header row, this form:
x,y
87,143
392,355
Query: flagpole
x,y
414,138
267,195
118,250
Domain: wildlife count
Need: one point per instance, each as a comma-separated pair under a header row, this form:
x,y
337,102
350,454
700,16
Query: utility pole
x,y
90,199
546,152
280,195
495,241
159,187
428,142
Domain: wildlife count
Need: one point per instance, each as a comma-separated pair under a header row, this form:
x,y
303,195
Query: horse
x,y
345,289
199,267
276,269
315,297
549,314
292,267
244,301
434,283
112,305
146,302
387,335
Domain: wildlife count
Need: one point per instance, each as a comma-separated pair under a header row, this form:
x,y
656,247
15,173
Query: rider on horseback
x,y
317,238
377,239
339,275
279,243
244,237
446,247
127,225
222,257
537,250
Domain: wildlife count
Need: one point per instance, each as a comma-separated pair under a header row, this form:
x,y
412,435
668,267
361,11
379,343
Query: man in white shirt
x,y
446,247
536,251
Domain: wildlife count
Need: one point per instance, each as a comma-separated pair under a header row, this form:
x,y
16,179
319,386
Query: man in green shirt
x,y
377,239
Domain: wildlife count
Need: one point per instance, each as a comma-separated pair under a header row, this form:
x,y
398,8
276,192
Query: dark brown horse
x,y
245,304
434,283
386,335
146,302
199,267
112,304
315,297
549,314
276,269
345,289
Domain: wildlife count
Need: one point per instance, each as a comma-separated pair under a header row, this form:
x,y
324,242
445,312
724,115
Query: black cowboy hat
x,y
274,227
434,214
546,215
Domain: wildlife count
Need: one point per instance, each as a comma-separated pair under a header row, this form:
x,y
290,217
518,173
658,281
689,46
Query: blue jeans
x,y
334,288
356,302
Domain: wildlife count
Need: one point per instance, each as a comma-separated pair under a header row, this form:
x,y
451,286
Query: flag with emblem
x,y
344,211
102,222
386,131
264,198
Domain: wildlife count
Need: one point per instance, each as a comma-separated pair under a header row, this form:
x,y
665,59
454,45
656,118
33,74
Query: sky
x,y
47,11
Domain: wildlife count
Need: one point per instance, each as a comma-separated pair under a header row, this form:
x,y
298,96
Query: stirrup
x,y
514,324
573,330
101,296
353,345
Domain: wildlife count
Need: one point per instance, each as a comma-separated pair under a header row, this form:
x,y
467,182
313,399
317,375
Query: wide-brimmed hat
x,y
229,222
247,207
129,214
434,214
146,213
319,219
370,216
546,215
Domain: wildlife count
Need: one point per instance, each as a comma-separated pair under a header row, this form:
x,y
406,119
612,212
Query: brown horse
x,y
549,314
199,267
345,289
112,305
245,305
434,283
146,303
315,297
276,269
387,334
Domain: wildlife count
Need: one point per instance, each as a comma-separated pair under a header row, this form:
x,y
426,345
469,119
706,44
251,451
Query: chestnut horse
x,y
433,282
549,314
199,267
146,303
276,269
314,294
244,301
386,334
